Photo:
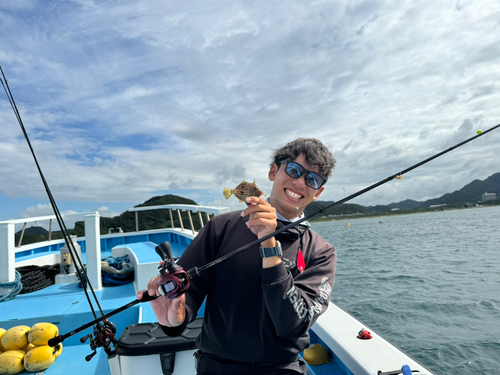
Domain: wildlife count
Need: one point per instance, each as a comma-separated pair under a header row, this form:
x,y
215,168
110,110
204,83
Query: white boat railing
x,y
181,207
39,219
9,249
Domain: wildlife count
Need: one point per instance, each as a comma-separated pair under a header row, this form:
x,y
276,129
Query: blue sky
x,y
124,100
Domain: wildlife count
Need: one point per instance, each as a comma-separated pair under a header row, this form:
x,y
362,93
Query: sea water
x,y
429,283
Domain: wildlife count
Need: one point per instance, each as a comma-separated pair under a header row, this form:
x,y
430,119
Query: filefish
x,y
243,191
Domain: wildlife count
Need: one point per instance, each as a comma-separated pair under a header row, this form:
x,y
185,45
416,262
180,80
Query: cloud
x,y
125,100
106,212
42,211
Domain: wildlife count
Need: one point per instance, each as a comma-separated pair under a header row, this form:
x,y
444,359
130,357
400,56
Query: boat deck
x,y
66,306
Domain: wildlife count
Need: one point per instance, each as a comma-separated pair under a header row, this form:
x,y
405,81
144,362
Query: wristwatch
x,y
266,252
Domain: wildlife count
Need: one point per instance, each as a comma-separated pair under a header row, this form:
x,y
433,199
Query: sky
x,y
125,100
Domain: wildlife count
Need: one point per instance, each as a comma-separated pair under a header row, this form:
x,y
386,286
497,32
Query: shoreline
x,y
396,213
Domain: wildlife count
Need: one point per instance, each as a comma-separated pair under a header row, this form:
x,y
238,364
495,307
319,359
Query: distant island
x,y
484,193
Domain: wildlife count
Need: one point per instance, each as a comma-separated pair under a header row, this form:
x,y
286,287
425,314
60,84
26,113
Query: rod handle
x,y
146,297
55,340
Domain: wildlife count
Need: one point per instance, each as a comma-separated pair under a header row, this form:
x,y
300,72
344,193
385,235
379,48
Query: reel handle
x,y
164,251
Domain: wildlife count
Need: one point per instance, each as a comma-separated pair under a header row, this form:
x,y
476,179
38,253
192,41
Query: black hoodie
x,y
255,315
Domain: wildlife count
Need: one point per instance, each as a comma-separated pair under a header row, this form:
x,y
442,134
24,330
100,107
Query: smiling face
x,y
291,196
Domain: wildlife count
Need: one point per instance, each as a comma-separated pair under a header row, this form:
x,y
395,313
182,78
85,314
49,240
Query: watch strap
x,y
266,252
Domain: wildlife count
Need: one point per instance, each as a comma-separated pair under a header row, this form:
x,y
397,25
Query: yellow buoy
x,y
2,331
15,338
41,333
11,362
316,354
348,225
39,358
59,349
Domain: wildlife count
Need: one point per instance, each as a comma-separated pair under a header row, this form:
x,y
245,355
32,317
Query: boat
x,y
340,344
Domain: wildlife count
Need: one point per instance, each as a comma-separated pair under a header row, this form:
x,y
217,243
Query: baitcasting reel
x,y
173,280
104,336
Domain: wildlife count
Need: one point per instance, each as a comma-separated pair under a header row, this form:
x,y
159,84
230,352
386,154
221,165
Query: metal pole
x,y
22,235
171,218
180,218
191,221
201,219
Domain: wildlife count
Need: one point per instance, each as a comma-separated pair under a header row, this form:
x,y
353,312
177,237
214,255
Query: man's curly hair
x,y
315,152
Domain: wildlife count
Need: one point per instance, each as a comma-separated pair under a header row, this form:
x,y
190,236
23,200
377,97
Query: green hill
x,y
32,234
469,195
147,219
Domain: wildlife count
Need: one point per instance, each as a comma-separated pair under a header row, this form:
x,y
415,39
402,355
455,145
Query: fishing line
x,y
345,194
67,239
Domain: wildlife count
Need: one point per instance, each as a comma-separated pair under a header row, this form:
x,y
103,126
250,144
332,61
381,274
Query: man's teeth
x,y
293,195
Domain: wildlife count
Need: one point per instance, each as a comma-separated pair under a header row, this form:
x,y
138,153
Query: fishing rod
x,y
79,267
165,252
196,271
174,281
67,239
104,333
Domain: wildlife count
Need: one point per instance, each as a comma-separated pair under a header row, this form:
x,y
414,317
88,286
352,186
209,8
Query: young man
x,y
261,302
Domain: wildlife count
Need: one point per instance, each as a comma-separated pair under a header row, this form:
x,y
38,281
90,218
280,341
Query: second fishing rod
x,y
196,271
175,281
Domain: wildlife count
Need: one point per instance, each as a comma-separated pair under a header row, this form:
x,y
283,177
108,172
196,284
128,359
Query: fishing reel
x,y
173,280
104,336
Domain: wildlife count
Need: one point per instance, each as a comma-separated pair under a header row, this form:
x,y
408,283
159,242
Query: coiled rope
x,y
16,285
38,277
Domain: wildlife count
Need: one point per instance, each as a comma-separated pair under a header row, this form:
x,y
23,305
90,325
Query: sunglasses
x,y
295,170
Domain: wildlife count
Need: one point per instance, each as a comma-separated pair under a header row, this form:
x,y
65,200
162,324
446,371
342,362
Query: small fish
x,y
243,191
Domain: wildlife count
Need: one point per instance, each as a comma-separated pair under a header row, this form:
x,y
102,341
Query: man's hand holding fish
x,y
262,221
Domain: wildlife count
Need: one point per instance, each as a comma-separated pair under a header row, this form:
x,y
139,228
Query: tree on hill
x,y
31,235
147,220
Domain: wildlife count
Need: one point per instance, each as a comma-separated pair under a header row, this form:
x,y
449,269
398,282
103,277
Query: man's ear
x,y
272,172
318,193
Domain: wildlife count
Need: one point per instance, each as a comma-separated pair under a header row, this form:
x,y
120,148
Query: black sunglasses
x,y
295,170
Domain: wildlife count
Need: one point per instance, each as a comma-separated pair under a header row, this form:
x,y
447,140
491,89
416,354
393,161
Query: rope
x,y
38,277
16,285
115,271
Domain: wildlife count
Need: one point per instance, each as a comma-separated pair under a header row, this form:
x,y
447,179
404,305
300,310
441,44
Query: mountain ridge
x,y
470,194
467,196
